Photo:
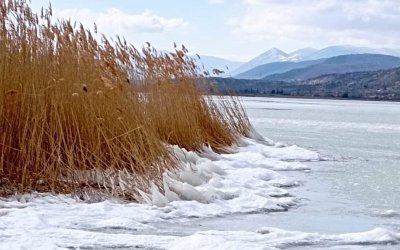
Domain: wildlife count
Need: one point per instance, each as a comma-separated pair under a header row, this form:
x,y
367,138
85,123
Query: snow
x,y
272,55
388,213
250,180
273,238
306,54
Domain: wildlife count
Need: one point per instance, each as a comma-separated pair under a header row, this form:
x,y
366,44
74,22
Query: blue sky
x,y
240,29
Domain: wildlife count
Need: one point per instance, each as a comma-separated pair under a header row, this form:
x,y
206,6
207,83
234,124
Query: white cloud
x,y
216,1
298,23
115,21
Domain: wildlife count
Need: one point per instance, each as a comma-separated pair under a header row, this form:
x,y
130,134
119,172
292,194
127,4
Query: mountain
x,y
302,54
211,62
265,70
339,64
348,50
272,55
306,54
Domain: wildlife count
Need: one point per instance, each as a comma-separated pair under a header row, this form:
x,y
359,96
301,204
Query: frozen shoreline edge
x,y
208,186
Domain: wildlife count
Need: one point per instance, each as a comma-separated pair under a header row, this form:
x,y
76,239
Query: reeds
x,y
79,114
180,113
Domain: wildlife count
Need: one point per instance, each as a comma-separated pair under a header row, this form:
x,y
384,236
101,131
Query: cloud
x,y
115,21
295,23
216,1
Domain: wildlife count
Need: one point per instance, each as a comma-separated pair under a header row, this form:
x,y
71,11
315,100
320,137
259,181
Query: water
x,y
357,188
251,199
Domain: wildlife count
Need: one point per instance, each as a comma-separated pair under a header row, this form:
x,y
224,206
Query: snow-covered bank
x,y
250,180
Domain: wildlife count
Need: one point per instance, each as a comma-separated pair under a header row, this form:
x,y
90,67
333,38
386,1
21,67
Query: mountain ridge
x,y
308,54
265,70
339,64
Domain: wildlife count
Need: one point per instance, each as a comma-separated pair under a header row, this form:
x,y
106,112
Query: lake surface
x,y
357,188
330,181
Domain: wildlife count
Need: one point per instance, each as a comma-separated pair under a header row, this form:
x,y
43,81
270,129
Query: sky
x,y
239,29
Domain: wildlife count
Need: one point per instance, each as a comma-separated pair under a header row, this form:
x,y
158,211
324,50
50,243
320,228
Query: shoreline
x,y
318,97
267,185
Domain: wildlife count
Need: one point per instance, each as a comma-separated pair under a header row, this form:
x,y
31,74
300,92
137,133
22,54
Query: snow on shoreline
x,y
243,182
250,180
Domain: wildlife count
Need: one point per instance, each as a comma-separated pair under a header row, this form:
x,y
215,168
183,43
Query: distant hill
x,y
268,69
382,84
337,65
374,85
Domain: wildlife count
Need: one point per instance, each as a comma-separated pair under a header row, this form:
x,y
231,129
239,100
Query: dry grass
x,y
179,111
81,114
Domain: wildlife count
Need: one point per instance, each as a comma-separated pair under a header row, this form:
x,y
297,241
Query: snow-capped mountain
x,y
308,54
301,54
347,50
272,55
336,65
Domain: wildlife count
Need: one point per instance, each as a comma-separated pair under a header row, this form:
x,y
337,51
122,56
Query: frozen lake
x,y
358,187
330,181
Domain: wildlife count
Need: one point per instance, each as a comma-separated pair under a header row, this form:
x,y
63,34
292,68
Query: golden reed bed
x,y
83,114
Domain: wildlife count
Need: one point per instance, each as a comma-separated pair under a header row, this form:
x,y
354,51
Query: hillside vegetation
x,y
375,85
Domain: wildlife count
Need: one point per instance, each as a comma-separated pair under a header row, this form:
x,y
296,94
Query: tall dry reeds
x,y
179,110
79,114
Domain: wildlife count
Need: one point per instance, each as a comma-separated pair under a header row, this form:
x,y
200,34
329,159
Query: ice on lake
x,y
254,198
